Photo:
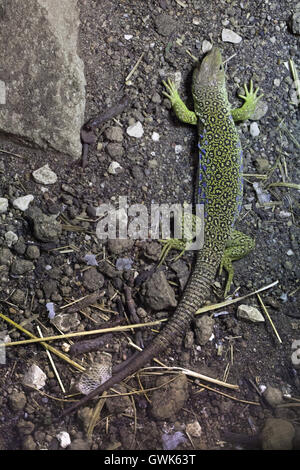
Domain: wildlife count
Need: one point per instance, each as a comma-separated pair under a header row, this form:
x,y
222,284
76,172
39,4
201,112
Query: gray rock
x,y
118,245
18,297
6,256
249,313
157,292
21,266
34,377
115,150
123,264
49,287
114,134
230,36
167,401
44,80
114,168
3,205
296,20
44,175
92,279
45,227
277,434
23,202
80,444
28,443
261,110
165,24
17,401
33,252
273,396
66,321
204,329
11,238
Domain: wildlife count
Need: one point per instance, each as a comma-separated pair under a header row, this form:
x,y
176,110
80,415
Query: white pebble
x,y
64,439
230,36
128,37
178,149
23,202
250,313
155,136
35,377
206,46
113,168
290,252
11,238
44,175
276,81
254,129
136,130
3,205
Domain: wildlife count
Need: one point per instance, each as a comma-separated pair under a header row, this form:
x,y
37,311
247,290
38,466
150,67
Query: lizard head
x,y
210,72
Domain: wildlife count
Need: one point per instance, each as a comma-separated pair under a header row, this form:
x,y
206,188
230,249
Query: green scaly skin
x,y
222,170
220,162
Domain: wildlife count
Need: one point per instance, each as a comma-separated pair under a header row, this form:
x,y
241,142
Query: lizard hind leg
x,y
238,246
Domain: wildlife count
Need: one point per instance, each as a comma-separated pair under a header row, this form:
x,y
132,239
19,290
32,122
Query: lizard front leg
x,y
180,109
251,99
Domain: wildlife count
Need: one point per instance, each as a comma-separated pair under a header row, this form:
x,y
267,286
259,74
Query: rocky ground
x,y
48,226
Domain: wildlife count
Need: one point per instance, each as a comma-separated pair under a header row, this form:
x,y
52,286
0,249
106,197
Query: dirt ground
x,y
113,36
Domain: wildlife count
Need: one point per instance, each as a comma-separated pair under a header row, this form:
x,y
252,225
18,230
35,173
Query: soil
x,y
113,36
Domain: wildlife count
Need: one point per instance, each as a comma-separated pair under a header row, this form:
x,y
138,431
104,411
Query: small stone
x,y
296,20
273,396
28,443
80,444
261,110
3,205
114,168
194,429
165,24
230,36
34,377
157,292
17,401
64,439
11,238
277,434
155,136
247,312
262,165
23,202
119,245
128,37
33,252
6,256
156,98
204,327
115,150
67,321
114,134
92,279
206,46
18,297
44,175
254,129
123,264
21,266
135,130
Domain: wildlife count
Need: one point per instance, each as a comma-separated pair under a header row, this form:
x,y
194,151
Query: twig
x,y
269,318
36,339
79,333
52,364
208,308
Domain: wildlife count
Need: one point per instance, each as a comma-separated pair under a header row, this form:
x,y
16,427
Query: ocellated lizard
x,y
220,191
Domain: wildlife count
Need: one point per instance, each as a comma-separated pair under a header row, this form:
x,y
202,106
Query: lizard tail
x,y
195,294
